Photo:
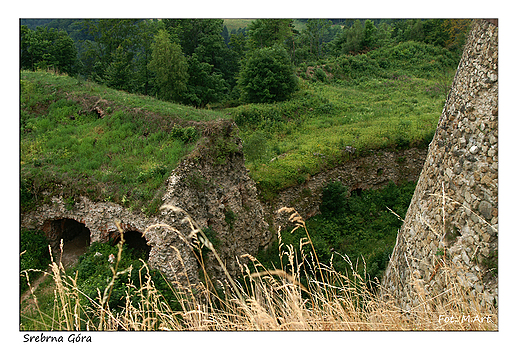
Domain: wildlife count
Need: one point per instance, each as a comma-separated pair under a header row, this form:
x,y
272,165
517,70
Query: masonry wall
x,y
451,227
374,170
211,184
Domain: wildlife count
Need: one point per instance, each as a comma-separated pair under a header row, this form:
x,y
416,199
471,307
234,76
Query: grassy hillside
x,y
81,138
388,98
122,152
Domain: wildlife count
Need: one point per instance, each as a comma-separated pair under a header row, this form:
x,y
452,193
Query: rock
x,y
470,168
485,209
219,195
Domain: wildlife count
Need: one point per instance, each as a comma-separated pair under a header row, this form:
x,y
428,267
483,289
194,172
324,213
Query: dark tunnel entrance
x,y
76,239
135,241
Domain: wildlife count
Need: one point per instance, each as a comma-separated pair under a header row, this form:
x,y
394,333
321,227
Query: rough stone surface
x,y
212,185
371,171
455,205
218,193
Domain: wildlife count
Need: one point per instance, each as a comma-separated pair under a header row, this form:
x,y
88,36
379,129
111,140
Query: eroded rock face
x,y
453,217
371,171
211,185
99,218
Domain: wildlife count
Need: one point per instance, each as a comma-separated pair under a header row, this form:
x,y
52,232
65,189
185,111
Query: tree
x,y
119,74
47,48
350,40
314,33
204,85
369,35
237,43
268,75
108,35
225,35
203,37
143,76
456,30
265,32
169,66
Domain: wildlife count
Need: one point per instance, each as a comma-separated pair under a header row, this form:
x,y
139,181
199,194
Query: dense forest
x,y
200,62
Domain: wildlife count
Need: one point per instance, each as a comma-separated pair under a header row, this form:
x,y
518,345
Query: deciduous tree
x,y
47,48
268,75
266,32
204,85
169,67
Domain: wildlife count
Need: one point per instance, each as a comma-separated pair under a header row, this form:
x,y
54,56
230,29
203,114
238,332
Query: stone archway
x,y
136,241
75,236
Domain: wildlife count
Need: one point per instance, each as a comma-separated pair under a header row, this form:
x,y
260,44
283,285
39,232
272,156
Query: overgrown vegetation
x,y
357,88
34,255
368,102
93,274
303,293
367,85
362,225
124,156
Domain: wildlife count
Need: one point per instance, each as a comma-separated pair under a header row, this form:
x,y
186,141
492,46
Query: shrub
x,y
34,254
186,134
334,199
268,76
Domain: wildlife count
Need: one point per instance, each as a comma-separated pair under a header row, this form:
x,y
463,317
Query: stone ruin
x,y
451,226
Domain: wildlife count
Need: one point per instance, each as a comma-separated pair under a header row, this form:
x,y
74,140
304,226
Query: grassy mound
x,y
80,138
387,98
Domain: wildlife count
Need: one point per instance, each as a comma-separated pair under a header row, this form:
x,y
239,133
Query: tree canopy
x,y
47,48
169,67
200,61
268,75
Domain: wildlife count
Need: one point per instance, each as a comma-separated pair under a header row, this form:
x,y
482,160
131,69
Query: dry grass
x,y
303,295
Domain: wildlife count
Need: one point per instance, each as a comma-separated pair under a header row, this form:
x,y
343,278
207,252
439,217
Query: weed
x,y
128,148
230,218
303,293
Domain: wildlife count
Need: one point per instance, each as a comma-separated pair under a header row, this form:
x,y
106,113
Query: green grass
x,y
294,140
236,23
360,104
359,226
124,157
389,98
92,274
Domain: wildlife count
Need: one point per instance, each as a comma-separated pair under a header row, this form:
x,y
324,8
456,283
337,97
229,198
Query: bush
x,y
268,76
94,273
334,199
34,254
186,135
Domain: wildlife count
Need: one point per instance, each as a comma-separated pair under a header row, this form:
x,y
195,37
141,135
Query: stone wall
x,y
371,171
212,185
451,227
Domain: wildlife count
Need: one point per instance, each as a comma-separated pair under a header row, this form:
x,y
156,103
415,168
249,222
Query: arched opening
x,y
75,236
137,242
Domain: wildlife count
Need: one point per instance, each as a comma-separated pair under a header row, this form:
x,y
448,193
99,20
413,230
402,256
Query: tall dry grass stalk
x,y
305,294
